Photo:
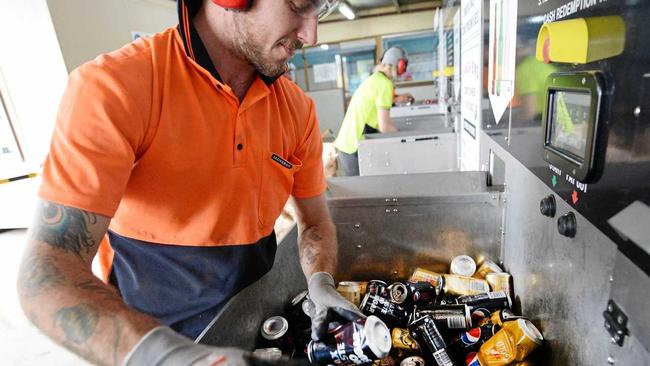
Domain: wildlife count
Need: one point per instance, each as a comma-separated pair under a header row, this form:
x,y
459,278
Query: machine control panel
x,y
573,122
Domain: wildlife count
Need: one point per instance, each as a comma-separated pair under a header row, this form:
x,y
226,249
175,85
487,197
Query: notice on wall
x,y
324,73
501,62
471,93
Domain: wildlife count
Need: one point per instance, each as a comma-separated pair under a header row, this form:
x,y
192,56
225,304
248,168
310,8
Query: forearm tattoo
x,y
65,228
37,275
78,322
310,237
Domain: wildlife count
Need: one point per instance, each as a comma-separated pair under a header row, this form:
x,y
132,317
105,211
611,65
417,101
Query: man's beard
x,y
251,49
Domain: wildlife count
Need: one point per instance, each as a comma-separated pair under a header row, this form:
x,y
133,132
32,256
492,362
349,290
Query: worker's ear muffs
x,y
234,4
402,64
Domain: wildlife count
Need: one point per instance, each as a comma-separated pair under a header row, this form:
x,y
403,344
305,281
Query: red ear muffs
x,y
234,4
402,65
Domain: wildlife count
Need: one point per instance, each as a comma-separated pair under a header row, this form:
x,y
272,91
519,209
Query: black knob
x,y
567,225
547,206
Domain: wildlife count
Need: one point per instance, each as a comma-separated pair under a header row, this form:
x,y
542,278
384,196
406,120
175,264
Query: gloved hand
x,y
325,298
164,347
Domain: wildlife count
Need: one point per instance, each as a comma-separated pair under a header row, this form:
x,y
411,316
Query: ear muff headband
x,y
234,4
402,63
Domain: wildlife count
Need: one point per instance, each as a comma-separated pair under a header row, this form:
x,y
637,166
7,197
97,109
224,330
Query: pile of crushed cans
x,y
430,319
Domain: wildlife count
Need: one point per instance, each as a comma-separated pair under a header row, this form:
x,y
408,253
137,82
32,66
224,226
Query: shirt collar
x,y
194,47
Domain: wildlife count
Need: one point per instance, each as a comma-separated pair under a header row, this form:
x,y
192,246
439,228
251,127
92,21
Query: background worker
x,y
369,109
181,149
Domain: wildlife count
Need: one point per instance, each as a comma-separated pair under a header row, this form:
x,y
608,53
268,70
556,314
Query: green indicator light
x,y
554,181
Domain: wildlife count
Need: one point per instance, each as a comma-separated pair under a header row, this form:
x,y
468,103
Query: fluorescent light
x,y
325,46
346,10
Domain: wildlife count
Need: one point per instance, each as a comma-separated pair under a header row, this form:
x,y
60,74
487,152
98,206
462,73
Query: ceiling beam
x,y
385,10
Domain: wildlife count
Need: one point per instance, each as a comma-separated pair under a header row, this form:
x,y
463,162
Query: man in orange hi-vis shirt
x,y
172,158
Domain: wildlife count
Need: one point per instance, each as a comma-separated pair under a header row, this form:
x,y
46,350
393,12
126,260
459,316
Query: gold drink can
x,y
499,350
487,267
386,361
463,285
504,315
351,291
526,336
402,339
363,286
514,342
421,274
500,282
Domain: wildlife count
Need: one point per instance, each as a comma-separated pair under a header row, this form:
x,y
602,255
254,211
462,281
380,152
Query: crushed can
x,y
356,343
402,339
516,340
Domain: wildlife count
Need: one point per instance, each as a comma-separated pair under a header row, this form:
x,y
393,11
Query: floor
x,y
21,343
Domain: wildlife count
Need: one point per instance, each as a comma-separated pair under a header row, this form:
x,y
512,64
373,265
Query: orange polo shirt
x,y
150,136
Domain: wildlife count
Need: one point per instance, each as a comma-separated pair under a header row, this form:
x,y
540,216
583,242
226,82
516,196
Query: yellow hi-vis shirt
x,y
375,92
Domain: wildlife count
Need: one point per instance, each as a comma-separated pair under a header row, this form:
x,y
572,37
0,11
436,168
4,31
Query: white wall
x,y
87,28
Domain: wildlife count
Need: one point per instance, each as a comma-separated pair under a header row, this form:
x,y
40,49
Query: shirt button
x,y
240,146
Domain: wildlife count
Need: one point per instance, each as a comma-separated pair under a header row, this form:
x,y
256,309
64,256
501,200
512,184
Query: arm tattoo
x,y
307,251
65,228
78,322
308,254
37,275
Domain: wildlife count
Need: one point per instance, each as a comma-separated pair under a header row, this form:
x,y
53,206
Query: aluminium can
x,y
377,287
402,339
472,340
462,265
433,346
421,274
351,291
463,285
487,266
489,300
395,315
499,282
420,292
447,317
413,361
356,343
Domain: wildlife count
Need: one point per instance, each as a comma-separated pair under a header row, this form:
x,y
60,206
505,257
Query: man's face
x,y
271,32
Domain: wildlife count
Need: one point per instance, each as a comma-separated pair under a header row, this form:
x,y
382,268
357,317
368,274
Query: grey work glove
x,y
325,298
164,347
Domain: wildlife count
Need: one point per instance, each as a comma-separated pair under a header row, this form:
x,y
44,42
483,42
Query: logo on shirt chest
x,y
281,161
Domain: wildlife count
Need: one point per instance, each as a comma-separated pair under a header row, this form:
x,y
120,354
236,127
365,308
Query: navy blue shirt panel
x,y
185,286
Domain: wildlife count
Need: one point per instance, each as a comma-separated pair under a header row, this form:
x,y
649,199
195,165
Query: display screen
x,y
569,122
